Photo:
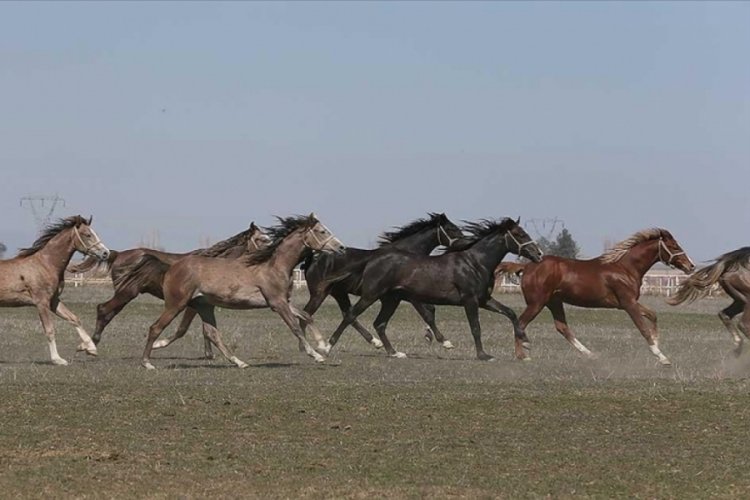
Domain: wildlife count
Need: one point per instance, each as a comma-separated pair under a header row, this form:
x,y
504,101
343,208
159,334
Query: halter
x,y
441,231
518,243
252,241
320,243
671,254
86,248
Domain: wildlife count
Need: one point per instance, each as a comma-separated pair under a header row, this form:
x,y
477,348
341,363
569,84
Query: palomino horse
x,y
732,272
459,277
262,279
122,263
612,280
35,277
421,236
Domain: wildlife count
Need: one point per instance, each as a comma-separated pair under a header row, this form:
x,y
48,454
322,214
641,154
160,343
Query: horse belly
x,y
585,294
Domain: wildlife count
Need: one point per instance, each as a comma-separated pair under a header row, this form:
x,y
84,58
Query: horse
x,y
121,263
36,277
259,280
462,276
732,272
612,280
421,236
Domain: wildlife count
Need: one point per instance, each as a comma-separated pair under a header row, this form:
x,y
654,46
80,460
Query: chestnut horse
x,y
612,280
36,276
262,279
732,272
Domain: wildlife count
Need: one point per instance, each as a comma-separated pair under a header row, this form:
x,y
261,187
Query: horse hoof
x,y
59,362
485,357
159,344
323,348
377,343
320,359
448,345
209,356
398,355
593,355
242,364
148,366
526,345
665,362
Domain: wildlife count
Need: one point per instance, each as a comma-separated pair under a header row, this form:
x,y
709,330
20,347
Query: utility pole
x,y
42,207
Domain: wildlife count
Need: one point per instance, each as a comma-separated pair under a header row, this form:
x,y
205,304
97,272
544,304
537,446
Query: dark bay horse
x,y
612,280
35,277
121,263
459,277
732,272
421,236
262,279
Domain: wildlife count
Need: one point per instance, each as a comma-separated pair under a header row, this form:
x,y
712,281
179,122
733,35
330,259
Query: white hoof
x,y
448,345
148,366
665,362
240,364
376,343
59,362
159,344
89,348
319,358
324,347
398,355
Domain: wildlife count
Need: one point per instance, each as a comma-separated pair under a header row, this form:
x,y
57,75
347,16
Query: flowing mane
x,y
50,231
399,233
219,248
618,251
480,230
286,226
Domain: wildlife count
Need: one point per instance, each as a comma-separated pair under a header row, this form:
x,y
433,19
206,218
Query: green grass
x,y
361,424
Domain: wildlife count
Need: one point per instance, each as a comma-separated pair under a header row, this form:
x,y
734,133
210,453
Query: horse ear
x,y
443,217
518,220
253,227
313,217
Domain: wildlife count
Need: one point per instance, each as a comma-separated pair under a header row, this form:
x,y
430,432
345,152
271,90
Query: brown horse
x,y
612,280
35,277
121,264
732,272
260,280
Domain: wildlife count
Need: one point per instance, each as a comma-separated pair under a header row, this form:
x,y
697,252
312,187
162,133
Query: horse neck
x,y
489,251
58,251
289,253
422,242
642,257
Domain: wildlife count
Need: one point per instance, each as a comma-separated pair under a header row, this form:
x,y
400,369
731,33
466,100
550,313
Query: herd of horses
x,y
253,269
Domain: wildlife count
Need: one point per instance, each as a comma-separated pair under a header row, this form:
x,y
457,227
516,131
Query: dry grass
x,y
437,424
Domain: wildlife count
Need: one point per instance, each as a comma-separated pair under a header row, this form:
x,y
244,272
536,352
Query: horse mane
x,y
480,230
399,233
277,233
219,248
50,231
618,251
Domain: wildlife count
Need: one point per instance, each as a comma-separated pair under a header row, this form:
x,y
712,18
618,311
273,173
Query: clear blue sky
x,y
196,118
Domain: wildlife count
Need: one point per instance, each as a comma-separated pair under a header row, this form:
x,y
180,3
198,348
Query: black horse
x,y
419,237
459,277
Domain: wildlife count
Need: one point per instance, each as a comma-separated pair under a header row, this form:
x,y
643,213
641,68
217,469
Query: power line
x,y
42,207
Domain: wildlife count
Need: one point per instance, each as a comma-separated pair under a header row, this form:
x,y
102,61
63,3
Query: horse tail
x,y
699,284
141,272
510,268
92,262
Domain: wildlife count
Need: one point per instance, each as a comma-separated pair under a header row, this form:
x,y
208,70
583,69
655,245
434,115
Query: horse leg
x,y
45,316
472,314
106,311
561,325
87,344
306,321
349,317
284,309
167,316
187,318
726,315
313,304
532,310
498,307
427,313
637,314
207,313
342,299
387,308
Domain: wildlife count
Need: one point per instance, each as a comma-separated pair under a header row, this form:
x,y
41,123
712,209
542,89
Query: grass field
x,y
437,424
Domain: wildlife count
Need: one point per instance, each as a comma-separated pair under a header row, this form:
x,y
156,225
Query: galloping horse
x,y
732,272
36,276
459,277
421,236
262,279
121,263
612,280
